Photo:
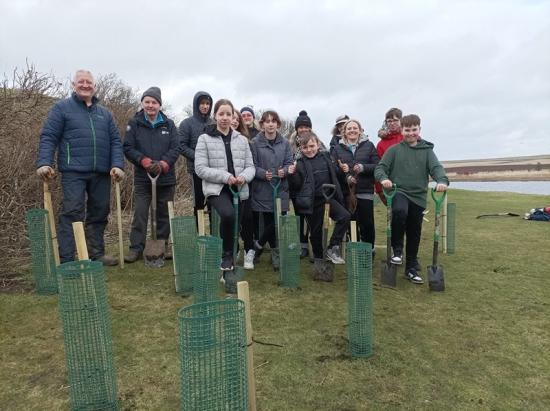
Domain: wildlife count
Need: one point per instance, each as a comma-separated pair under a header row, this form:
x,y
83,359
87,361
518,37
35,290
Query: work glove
x,y
45,172
117,174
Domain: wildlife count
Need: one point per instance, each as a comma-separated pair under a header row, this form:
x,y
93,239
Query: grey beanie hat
x,y
152,92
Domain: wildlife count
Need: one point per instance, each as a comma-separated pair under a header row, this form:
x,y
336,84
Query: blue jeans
x,y
86,198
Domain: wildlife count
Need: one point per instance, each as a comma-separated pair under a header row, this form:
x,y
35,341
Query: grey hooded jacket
x,y
192,127
269,157
211,163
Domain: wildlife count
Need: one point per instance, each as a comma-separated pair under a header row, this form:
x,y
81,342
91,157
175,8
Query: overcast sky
x,y
477,72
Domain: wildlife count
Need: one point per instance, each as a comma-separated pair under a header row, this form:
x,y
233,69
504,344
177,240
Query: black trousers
x,y
247,225
223,204
268,235
364,215
142,202
315,221
406,220
198,195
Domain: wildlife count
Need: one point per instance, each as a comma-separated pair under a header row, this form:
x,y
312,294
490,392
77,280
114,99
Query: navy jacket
x,y
158,143
192,127
86,138
366,155
302,183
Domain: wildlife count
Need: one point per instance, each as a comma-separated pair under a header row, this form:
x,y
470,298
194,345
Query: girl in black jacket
x,y
307,176
357,158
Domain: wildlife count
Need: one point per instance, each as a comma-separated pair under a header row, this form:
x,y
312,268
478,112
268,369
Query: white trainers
x,y
397,258
249,259
333,254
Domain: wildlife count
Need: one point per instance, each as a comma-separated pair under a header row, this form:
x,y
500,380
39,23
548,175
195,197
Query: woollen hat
x,y
303,120
152,92
342,119
249,109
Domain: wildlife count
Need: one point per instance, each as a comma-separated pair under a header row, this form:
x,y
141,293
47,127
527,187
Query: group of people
x,y
230,154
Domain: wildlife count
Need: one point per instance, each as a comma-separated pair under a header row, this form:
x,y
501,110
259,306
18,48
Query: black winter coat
x,y
192,127
302,184
366,155
159,143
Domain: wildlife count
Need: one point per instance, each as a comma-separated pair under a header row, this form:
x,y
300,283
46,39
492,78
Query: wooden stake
x,y
119,222
171,239
353,231
200,222
243,294
80,240
51,218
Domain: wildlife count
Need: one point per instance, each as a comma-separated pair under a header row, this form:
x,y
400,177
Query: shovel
x,y
153,255
275,183
324,271
237,274
436,281
388,276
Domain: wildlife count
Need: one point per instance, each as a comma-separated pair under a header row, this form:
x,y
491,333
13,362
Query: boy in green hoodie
x,y
408,165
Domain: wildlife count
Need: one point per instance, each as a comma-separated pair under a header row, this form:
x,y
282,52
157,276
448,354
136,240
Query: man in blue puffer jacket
x,y
89,153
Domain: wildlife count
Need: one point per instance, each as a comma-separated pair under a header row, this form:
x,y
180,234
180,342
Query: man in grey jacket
x,y
189,131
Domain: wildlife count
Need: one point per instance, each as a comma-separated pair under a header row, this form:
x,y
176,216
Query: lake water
x,y
524,187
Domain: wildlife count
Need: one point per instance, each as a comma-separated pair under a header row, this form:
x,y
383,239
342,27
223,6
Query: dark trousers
x,y
364,215
223,204
247,225
198,195
268,235
87,198
315,221
304,235
142,202
406,220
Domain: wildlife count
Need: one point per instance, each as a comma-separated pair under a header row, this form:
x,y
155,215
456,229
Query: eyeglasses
x,y
392,120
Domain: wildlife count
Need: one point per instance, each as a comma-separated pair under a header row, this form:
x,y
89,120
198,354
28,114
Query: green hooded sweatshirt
x,y
409,167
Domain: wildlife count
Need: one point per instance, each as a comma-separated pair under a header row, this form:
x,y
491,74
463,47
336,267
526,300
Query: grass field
x,y
483,344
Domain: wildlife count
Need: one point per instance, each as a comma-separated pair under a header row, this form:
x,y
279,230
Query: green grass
x,y
483,344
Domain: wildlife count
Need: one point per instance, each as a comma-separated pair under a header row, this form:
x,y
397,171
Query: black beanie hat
x,y
302,120
249,109
152,92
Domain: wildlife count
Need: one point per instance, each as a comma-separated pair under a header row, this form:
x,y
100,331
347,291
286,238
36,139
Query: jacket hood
x,y
362,138
420,145
391,135
198,96
95,100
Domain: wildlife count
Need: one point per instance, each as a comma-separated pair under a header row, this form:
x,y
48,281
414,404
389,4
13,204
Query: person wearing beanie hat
x,y
302,120
153,92
151,144
337,129
248,116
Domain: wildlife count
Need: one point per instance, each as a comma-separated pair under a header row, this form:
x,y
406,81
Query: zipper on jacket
x,y
68,153
93,137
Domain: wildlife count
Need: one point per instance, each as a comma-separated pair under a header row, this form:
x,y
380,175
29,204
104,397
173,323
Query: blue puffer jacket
x,y
86,137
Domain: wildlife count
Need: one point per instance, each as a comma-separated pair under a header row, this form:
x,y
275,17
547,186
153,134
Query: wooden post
x,y
119,223
353,229
444,224
171,240
243,294
80,240
51,218
200,222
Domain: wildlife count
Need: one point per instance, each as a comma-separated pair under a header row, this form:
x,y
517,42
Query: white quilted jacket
x,y
211,163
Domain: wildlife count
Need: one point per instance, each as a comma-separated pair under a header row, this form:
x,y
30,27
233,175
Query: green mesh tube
x,y
213,370
451,227
289,248
184,235
360,315
43,261
87,335
214,223
207,274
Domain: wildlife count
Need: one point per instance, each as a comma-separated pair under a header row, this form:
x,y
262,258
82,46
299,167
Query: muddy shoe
x,y
108,260
275,259
132,256
230,282
323,270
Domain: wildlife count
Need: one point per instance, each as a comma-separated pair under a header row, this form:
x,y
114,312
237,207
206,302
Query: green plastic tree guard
x,y
43,261
451,227
207,274
360,312
184,235
289,248
87,335
213,370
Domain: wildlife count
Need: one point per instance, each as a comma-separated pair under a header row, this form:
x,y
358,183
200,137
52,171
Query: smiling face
x,y
248,118
352,132
235,121
84,85
310,148
151,107
411,134
223,117
204,106
394,124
